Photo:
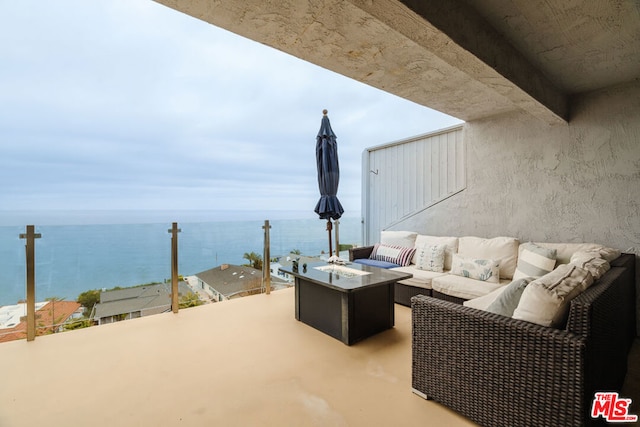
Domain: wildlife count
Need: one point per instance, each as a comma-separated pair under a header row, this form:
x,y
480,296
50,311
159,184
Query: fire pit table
x,y
349,302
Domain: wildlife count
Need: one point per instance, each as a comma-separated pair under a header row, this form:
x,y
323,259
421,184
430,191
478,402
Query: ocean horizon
x,y
143,216
83,250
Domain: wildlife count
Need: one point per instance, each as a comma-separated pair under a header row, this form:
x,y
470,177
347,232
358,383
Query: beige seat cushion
x,y
420,279
463,287
416,283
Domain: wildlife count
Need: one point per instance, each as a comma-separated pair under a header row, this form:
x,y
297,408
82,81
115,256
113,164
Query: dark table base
x,y
347,316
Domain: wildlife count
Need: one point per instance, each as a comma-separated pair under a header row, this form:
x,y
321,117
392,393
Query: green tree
x,y
55,322
77,324
296,252
254,259
88,299
189,300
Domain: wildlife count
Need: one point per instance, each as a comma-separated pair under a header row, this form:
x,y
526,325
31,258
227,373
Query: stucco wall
x,y
564,183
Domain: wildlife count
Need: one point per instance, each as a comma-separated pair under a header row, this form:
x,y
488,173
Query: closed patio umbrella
x,y
328,206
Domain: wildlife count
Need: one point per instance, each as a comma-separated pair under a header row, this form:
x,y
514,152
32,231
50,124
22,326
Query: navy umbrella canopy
x,y
328,206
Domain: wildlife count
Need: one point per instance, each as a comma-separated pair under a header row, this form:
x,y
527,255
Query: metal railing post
x,y
30,250
266,259
337,224
175,303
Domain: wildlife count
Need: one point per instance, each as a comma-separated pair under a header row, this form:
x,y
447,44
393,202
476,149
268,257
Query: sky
x,y
129,105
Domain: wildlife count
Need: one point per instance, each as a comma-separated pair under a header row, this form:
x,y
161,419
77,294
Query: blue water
x,y
71,259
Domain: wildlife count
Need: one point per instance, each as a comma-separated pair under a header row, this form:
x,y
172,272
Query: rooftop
x,y
240,362
10,315
13,326
136,298
234,280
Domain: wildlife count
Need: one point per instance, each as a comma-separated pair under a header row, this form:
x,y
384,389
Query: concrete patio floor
x,y
242,362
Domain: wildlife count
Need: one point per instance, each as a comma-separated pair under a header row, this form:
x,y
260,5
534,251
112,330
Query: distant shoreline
x,y
12,218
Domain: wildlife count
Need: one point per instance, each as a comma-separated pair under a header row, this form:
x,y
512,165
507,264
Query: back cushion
x,y
451,244
502,249
406,239
565,250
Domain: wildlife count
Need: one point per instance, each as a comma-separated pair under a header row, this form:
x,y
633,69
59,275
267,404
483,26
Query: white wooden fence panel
x,y
406,177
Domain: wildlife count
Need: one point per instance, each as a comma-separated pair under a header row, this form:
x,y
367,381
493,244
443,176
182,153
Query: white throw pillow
x,y
430,257
534,261
502,249
486,270
545,301
451,244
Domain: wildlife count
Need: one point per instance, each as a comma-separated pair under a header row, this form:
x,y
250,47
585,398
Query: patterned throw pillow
x,y
430,257
391,253
487,270
534,261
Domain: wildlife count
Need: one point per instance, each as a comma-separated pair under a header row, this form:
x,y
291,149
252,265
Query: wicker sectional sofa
x,y
503,371
500,371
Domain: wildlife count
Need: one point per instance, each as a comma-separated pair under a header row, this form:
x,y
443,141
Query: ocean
x,y
73,258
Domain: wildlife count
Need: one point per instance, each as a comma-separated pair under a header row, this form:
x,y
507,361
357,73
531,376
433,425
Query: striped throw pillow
x,y
392,253
534,261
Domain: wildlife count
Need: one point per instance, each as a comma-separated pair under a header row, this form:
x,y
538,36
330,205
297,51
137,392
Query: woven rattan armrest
x,y
605,315
359,253
497,370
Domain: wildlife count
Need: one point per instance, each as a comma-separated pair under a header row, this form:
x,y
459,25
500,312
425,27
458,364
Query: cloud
x,y
131,105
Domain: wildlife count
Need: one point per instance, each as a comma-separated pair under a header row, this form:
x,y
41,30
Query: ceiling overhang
x,y
441,55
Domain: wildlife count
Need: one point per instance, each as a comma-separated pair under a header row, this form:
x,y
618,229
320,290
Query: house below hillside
x,y
139,301
51,317
232,281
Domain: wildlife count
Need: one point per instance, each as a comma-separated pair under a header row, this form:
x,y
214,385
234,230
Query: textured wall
x,y
564,183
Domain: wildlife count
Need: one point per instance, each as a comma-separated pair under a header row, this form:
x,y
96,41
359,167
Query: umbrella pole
x,y
337,224
329,228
